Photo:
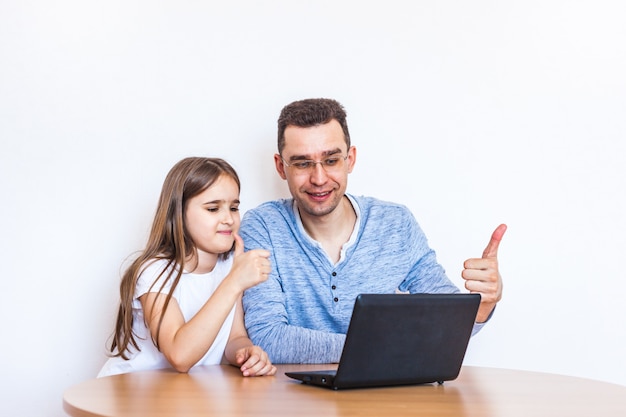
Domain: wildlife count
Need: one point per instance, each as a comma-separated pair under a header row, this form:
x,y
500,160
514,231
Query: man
x,y
328,246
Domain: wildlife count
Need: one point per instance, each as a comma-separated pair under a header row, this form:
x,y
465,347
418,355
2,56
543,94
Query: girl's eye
x,y
213,209
234,209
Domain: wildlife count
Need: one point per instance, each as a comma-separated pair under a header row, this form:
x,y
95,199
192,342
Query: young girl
x,y
181,298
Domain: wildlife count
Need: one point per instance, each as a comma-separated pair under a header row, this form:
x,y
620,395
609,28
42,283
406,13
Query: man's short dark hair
x,y
311,112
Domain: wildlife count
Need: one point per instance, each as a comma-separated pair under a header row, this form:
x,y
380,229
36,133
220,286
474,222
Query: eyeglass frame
x,y
312,163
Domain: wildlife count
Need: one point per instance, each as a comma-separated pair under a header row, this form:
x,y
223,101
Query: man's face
x,y
316,187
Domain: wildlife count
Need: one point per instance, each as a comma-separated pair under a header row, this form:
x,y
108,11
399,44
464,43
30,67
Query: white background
x,y
470,113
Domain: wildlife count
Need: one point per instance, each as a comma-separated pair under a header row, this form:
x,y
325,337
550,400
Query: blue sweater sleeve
x,y
265,305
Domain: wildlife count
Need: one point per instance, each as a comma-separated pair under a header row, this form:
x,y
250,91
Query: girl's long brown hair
x,y
168,240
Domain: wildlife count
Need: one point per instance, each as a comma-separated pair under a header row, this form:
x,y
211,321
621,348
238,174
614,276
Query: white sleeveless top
x,y
192,292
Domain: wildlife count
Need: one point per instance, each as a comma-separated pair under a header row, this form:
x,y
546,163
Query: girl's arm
x,y
253,360
184,343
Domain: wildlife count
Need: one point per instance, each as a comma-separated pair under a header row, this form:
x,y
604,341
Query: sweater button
x,y
336,299
334,274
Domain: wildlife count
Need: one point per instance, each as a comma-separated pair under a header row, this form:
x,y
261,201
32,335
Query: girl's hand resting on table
x,y
253,361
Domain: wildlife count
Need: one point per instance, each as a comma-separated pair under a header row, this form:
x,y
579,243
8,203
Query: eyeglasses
x,y
330,164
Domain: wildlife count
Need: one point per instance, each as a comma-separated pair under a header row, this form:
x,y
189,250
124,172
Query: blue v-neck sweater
x,y
301,313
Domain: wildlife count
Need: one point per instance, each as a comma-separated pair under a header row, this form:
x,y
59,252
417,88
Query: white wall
x,y
471,113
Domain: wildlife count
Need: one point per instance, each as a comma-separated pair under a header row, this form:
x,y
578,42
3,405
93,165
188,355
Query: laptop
x,y
401,339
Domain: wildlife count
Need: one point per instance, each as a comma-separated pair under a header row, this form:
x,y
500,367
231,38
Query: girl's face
x,y
212,217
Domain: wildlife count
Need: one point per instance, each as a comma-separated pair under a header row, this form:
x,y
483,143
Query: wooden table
x,y
221,391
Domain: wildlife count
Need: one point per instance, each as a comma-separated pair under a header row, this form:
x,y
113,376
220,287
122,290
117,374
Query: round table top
x,y
221,391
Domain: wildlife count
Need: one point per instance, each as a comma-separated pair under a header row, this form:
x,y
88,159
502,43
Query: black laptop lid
x,y
398,339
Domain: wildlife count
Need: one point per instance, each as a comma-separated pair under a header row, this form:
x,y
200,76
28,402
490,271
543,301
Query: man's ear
x,y
280,166
351,158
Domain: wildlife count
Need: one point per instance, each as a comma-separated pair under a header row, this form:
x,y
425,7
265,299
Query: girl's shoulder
x,y
153,277
154,267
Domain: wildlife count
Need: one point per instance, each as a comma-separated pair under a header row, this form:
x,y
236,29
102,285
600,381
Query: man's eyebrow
x,y
308,157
